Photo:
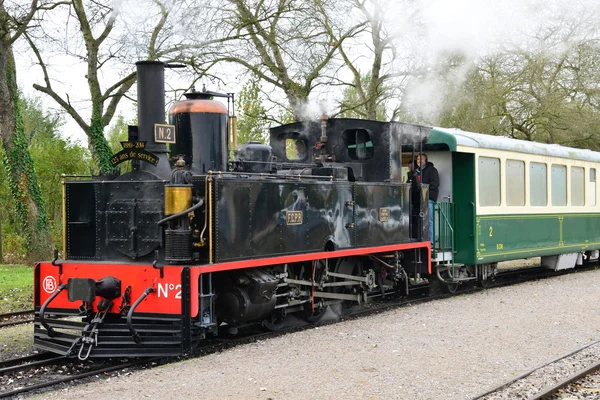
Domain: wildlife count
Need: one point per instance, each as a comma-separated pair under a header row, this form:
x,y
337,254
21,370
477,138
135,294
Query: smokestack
x,y
151,110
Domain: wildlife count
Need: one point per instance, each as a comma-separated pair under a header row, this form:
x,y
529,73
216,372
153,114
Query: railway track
x,y
14,374
561,372
53,380
551,390
18,364
16,318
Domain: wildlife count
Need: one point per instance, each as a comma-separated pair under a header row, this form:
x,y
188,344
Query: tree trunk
x,y
98,145
18,163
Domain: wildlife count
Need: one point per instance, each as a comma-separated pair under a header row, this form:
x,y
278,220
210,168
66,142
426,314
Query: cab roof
x,y
453,137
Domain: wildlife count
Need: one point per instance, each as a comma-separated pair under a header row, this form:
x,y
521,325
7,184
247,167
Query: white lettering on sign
x,y
49,284
164,289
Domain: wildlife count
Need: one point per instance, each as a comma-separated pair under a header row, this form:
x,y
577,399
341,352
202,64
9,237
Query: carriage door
x,y
443,217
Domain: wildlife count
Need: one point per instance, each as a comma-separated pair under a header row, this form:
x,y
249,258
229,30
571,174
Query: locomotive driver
x,y
429,175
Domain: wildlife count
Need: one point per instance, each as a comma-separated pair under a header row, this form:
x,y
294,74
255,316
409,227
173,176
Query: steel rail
x,y
531,371
22,363
82,375
6,317
548,391
15,314
15,323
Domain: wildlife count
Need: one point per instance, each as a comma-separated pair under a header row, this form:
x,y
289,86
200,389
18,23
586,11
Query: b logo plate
x,y
49,284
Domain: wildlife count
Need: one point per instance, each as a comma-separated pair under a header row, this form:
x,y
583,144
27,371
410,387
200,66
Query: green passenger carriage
x,y
504,199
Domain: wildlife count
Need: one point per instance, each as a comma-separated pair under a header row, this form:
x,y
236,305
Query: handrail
x,y
236,174
445,228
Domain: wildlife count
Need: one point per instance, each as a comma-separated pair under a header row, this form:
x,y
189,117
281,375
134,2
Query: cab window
x,y
359,144
295,149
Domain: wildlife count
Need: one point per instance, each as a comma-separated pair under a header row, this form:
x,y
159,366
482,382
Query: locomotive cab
x,y
367,150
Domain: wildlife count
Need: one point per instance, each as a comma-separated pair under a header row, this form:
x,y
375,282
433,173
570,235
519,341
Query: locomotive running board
x,y
290,259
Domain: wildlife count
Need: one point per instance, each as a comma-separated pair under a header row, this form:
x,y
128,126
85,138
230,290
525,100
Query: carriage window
x,y
295,149
359,143
577,186
559,185
538,184
591,189
489,181
515,183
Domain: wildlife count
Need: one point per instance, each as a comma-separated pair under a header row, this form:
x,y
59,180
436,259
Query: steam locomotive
x,y
192,242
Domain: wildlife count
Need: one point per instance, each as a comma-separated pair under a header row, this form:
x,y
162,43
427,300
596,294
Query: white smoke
x,y
312,110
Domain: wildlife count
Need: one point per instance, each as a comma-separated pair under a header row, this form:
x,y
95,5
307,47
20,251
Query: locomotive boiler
x,y
191,242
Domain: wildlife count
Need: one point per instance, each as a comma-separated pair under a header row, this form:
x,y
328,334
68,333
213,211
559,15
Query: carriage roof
x,y
453,137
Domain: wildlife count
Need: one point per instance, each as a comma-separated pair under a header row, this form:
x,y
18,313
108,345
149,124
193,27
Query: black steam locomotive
x,y
189,243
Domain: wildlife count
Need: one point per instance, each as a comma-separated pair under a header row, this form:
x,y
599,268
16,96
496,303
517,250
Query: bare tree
x,y
379,46
91,19
105,40
285,43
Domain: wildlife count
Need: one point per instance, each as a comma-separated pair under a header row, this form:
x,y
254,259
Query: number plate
x,y
164,133
294,217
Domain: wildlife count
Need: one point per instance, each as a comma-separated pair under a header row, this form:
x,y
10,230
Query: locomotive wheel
x,y
274,322
306,273
452,287
313,316
484,282
437,287
348,266
486,275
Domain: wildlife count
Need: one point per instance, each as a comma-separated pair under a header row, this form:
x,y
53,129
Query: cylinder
x,y
151,110
201,126
178,198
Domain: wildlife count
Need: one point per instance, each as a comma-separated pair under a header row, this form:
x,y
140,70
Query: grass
x,y
16,288
15,341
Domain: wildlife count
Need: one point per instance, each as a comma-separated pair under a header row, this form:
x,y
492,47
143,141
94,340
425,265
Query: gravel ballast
x,y
448,349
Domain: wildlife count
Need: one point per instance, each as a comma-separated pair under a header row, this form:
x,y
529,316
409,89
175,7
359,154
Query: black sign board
x,y
134,150
164,133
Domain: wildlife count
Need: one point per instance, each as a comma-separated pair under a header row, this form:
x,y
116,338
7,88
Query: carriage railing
x,y
443,232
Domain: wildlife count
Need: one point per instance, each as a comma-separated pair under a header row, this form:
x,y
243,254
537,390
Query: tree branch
x,y
23,23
